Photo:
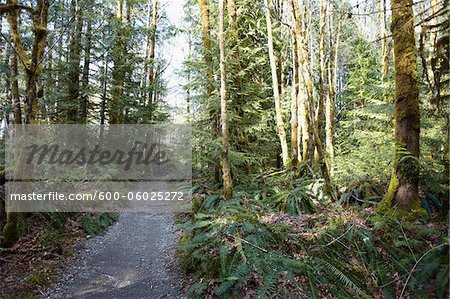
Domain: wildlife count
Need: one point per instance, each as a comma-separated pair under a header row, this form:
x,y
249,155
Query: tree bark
x,y
403,188
207,47
15,89
430,71
322,67
32,67
383,37
331,97
276,92
209,71
302,97
296,156
73,76
227,181
147,52
118,72
86,68
151,73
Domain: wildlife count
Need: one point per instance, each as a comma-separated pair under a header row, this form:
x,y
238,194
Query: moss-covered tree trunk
x,y
15,88
209,71
322,67
276,92
302,97
226,170
296,155
403,188
32,66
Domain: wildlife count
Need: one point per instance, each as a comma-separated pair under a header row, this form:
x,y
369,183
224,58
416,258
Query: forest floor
x,y
136,258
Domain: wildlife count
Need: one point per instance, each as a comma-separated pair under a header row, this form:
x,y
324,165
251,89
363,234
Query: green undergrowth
x,y
291,242
98,223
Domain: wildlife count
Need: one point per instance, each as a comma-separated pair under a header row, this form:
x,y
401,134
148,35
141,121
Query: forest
x,y
320,145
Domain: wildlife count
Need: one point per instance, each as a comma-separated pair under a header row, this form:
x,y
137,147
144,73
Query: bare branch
x,y
6,8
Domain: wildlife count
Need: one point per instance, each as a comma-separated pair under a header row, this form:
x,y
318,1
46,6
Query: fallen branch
x,y
247,242
337,239
414,268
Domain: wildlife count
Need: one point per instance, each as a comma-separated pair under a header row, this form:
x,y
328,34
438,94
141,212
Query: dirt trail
x,y
132,260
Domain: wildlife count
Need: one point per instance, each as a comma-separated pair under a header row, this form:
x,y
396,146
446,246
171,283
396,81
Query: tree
x,y
383,37
403,188
84,104
322,66
32,67
151,73
334,38
15,88
118,72
227,181
74,58
276,92
296,155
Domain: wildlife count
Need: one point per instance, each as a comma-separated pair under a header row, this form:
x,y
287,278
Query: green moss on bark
x,y
386,203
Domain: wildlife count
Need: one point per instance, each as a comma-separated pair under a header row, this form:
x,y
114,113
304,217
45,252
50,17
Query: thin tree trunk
x,y
15,89
383,37
86,67
403,188
189,79
276,92
296,157
73,76
118,73
432,53
104,93
209,70
303,130
151,73
227,181
322,67
330,100
147,51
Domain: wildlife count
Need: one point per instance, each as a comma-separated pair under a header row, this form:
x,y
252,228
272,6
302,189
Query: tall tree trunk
x,y
302,97
207,50
209,70
118,72
322,67
151,73
383,37
227,181
86,68
147,52
403,188
32,66
276,92
15,88
104,91
331,97
189,79
430,71
296,156
73,76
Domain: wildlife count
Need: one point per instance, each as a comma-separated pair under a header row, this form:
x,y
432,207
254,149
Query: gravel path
x,y
132,260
